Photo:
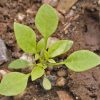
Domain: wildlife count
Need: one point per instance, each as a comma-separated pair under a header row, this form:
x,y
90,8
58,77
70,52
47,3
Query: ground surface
x,y
80,24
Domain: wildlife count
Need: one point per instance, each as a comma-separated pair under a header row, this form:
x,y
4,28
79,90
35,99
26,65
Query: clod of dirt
x,y
92,32
2,2
35,92
87,32
64,95
2,28
3,52
5,98
86,85
19,97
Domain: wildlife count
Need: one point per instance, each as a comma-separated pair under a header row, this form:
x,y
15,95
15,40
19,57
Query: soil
x,y
81,24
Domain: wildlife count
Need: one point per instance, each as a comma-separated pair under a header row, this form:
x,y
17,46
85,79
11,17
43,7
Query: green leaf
x,y
46,84
13,83
25,37
37,72
46,20
51,61
40,45
51,41
59,47
18,64
44,66
37,56
46,55
82,60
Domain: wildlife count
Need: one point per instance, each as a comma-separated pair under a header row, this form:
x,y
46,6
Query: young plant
x,y
46,22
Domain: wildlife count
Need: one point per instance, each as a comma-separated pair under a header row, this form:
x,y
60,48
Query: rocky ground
x,y
80,22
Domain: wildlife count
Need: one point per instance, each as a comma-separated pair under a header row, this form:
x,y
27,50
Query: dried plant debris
x,y
65,5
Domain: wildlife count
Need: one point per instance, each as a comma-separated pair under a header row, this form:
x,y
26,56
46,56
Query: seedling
x,y
46,22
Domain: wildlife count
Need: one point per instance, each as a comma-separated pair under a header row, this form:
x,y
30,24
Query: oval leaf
x,y
46,84
82,60
37,56
46,20
51,61
37,72
13,83
59,47
51,41
25,37
40,45
18,64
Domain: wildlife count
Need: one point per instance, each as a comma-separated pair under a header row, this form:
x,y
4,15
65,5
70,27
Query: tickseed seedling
x,y
46,22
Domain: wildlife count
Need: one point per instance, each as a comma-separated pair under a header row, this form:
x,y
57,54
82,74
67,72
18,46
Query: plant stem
x,y
46,39
34,65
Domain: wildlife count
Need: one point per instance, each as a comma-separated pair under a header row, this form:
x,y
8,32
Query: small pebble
x,y
48,72
99,2
3,72
29,11
27,57
52,79
19,97
50,68
62,73
3,52
20,16
60,81
70,14
77,98
74,7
